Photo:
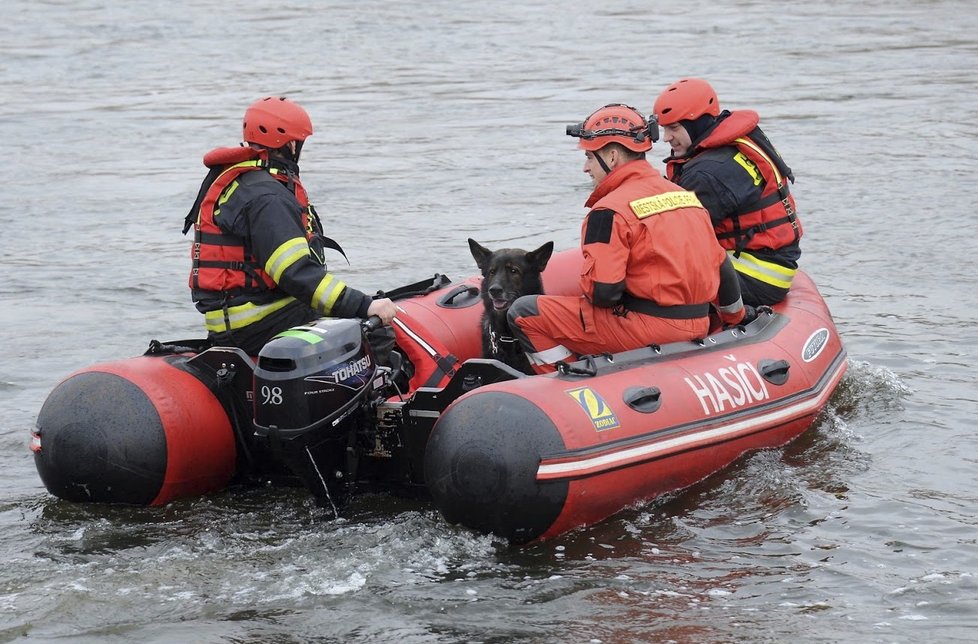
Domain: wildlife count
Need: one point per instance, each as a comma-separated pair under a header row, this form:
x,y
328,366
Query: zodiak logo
x,y
814,344
597,409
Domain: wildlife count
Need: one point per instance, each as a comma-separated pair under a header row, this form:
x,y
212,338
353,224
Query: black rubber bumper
x,y
481,463
101,440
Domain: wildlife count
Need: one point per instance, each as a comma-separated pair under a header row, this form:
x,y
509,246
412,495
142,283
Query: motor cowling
x,y
307,377
311,385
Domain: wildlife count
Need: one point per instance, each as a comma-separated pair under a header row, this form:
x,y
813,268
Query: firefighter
x,y
259,265
740,178
652,265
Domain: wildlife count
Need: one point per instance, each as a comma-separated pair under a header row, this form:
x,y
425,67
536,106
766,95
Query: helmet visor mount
x,y
650,132
637,138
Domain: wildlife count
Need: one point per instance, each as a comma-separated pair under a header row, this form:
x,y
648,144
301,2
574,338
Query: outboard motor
x,y
313,385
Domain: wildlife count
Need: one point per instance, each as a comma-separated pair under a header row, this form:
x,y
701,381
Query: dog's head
x,y
509,273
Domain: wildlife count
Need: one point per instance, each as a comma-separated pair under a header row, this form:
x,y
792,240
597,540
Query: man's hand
x,y
383,308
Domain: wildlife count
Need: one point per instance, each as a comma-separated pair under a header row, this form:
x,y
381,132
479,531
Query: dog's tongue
x,y
500,304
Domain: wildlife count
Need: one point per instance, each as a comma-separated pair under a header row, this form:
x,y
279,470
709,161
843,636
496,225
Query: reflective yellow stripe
x,y
760,152
657,204
242,315
327,293
226,195
767,272
243,164
749,165
286,255
229,190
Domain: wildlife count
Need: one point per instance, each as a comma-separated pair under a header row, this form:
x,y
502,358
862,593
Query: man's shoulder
x,y
260,178
713,156
259,186
252,194
725,164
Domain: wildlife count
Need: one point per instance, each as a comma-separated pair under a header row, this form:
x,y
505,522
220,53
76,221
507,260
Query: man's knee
x,y
523,307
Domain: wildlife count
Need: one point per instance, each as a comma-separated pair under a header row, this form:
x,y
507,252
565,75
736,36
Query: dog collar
x,y
494,340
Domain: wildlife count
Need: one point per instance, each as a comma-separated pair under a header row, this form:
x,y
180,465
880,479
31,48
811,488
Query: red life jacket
x,y
220,260
772,220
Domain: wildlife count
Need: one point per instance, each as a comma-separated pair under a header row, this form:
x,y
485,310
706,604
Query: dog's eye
x,y
492,271
513,270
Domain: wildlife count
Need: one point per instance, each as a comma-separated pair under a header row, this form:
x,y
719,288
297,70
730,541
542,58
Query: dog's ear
x,y
538,258
480,253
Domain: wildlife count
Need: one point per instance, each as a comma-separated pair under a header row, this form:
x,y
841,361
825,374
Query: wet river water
x,y
437,121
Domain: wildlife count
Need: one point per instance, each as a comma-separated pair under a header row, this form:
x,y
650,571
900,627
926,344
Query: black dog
x,y
507,274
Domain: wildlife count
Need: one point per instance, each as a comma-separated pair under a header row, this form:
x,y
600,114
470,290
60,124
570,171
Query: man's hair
x,y
631,155
283,151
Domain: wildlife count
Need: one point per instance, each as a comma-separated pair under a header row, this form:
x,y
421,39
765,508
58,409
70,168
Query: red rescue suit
x,y
651,268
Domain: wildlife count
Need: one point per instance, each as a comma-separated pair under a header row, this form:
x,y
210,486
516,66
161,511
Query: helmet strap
x,y
604,166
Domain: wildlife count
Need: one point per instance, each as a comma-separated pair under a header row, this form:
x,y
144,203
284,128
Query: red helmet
x,y
685,100
274,121
615,123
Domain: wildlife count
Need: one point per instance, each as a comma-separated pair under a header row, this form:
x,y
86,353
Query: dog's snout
x,y
496,292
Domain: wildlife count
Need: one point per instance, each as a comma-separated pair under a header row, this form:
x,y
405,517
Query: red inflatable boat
x,y
524,457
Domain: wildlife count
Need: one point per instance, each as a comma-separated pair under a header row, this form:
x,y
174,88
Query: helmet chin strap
x,y
604,166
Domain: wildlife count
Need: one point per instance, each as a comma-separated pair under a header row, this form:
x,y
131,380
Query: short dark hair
x,y
628,154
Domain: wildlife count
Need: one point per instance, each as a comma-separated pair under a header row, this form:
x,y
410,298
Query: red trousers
x,y
567,325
